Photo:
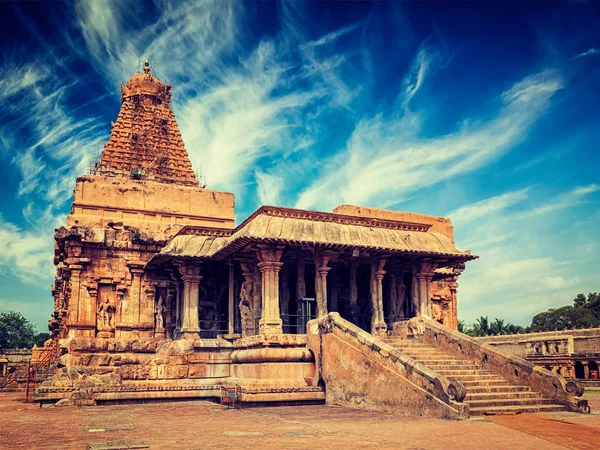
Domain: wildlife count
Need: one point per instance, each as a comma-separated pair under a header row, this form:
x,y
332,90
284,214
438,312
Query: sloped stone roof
x,y
326,230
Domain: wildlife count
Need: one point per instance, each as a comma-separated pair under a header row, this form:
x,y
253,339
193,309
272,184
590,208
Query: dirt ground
x,y
205,425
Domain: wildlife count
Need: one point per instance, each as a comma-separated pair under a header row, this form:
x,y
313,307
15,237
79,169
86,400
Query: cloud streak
x,y
386,156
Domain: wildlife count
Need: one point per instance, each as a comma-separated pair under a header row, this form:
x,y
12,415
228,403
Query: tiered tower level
x,y
145,142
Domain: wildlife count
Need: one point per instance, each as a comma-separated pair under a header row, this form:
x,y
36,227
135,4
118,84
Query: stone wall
x,y
13,368
568,341
570,353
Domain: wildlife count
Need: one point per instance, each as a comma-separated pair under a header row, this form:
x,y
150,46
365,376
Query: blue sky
x,y
483,112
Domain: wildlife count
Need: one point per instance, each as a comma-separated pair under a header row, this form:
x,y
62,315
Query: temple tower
x,y
140,193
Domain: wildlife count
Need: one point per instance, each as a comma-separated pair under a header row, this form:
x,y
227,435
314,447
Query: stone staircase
x,y
487,393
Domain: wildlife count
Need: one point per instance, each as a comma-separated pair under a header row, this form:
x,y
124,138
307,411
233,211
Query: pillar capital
x,y
270,265
188,269
269,252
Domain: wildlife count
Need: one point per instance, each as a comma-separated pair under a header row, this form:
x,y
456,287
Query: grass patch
x,y
592,392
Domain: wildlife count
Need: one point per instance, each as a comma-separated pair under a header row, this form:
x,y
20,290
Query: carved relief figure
x,y
245,306
436,312
159,313
106,313
399,297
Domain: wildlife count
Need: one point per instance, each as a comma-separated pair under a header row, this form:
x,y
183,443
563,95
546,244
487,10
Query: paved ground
x,y
204,425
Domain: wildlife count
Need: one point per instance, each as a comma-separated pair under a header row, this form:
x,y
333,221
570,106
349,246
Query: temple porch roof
x,y
309,228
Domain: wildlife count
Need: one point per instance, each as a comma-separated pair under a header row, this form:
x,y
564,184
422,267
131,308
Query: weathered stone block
x,y
204,357
208,370
172,372
119,345
177,360
89,345
121,360
134,372
144,346
179,347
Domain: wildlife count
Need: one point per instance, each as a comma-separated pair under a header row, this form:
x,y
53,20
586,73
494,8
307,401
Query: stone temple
x,y
158,295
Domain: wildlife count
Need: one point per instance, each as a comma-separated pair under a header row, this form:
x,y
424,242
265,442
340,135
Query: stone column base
x,y
190,333
271,326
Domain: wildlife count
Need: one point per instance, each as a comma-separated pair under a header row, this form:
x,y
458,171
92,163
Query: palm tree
x,y
481,327
497,327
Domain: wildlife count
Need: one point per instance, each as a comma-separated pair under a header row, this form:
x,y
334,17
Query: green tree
x,y
564,318
497,327
40,338
16,331
481,327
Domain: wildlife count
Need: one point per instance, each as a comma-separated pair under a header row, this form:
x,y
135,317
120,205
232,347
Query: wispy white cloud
x,y
489,205
571,198
26,254
385,156
269,187
589,52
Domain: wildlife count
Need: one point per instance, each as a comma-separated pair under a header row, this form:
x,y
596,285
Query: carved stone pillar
x,y
586,370
333,292
132,310
230,300
424,276
321,261
300,280
378,325
453,286
256,293
246,304
284,294
190,274
270,265
353,292
82,308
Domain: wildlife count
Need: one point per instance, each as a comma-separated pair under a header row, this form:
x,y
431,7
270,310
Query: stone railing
x,y
515,369
365,371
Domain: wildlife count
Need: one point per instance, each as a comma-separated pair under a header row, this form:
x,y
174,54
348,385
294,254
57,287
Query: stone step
x,y
481,378
475,389
509,402
457,373
406,344
429,355
472,383
501,395
438,362
453,366
479,411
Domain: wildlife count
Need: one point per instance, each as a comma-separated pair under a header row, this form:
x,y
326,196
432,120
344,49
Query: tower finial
x,y
146,66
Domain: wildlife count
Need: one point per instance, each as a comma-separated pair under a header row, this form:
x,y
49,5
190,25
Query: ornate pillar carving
x,y
190,274
270,265
246,304
230,300
397,295
300,280
453,286
333,289
132,311
424,275
378,325
82,317
321,261
353,292
284,294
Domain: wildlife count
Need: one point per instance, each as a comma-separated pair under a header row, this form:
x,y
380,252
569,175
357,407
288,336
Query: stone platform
x,y
267,369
